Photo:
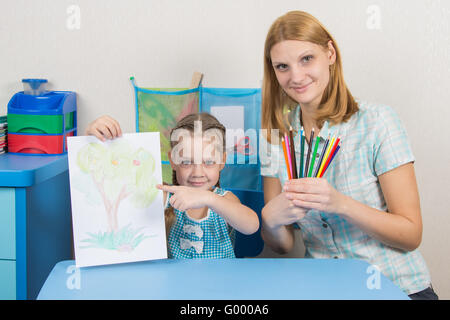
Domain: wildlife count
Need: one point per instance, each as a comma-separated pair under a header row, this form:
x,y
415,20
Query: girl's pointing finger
x,y
171,189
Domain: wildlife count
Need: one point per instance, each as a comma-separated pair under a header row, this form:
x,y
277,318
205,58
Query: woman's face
x,y
303,69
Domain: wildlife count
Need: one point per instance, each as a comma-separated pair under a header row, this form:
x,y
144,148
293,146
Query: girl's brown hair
x,y
208,122
337,104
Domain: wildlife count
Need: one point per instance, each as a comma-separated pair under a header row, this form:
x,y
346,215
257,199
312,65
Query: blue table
x,y
230,279
35,221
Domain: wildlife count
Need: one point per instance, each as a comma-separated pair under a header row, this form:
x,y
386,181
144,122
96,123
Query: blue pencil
x,y
335,152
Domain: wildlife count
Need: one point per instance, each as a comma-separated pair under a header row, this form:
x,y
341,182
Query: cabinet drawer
x,y
7,224
36,124
7,280
40,124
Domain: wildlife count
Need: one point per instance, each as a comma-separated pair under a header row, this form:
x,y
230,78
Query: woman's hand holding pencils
x,y
316,194
308,192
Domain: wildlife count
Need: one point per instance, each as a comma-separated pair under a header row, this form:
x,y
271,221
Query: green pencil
x,y
302,151
314,156
308,155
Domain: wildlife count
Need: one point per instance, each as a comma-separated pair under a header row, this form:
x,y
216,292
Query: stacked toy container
x,y
40,121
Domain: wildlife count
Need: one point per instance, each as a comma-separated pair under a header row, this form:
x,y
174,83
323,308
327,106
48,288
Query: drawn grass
x,y
125,239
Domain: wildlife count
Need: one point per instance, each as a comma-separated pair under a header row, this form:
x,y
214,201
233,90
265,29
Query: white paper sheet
x,y
117,212
232,117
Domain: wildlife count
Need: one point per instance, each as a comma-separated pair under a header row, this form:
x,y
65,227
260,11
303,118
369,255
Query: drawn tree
x,y
119,172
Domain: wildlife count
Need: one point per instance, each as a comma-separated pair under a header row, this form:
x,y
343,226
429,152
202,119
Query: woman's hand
x,y
314,193
104,128
281,211
185,198
278,215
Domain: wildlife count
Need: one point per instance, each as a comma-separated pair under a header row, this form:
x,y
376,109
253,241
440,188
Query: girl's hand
x,y
314,193
104,128
281,211
185,198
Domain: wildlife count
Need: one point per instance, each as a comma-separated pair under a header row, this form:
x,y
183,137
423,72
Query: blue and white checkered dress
x,y
374,141
208,238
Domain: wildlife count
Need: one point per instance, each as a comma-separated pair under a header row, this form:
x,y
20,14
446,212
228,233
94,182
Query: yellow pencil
x,y
330,145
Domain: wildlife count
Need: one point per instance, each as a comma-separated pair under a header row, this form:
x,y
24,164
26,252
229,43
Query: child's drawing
x,y
117,212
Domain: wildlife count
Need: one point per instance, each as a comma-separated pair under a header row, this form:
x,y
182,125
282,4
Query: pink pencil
x,y
288,150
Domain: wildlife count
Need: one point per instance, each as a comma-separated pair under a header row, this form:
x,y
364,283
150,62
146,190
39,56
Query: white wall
x,y
404,63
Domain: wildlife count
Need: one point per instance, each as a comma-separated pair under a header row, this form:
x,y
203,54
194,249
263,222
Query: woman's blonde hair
x,y
208,122
337,104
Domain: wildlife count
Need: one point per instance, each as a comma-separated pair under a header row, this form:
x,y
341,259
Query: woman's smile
x,y
301,89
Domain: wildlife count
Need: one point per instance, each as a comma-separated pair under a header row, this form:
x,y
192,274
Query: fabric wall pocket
x,y
239,111
158,110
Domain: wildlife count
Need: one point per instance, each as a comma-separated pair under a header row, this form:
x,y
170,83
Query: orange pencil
x,y
286,158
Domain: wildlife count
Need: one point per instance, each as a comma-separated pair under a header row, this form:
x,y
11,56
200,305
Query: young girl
x,y
200,216
367,204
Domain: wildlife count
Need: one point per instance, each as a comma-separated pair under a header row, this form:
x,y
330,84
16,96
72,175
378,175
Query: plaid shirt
x,y
374,141
208,238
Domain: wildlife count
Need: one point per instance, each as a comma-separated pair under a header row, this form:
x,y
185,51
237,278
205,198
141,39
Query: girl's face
x,y
197,162
303,69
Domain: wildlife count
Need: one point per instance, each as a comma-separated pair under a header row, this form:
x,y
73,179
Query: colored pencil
x,y
288,151
302,152
314,157
293,159
330,146
285,158
321,157
308,155
334,154
330,156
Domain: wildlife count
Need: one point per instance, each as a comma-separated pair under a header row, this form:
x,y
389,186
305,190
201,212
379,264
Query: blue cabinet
x,y
7,224
7,280
35,221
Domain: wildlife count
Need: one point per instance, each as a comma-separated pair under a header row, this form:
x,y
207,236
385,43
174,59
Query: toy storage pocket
x,y
158,110
239,111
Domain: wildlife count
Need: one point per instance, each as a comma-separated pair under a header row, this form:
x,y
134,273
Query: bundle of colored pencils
x,y
327,155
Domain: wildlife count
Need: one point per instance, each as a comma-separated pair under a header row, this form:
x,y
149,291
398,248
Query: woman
x,y
366,206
